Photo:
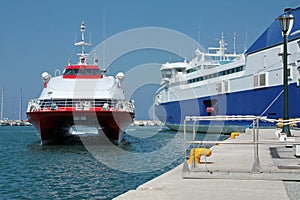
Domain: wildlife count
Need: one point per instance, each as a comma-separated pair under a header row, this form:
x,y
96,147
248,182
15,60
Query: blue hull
x,y
259,102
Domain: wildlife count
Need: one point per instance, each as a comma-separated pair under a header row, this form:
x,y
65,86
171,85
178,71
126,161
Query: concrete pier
x,y
231,172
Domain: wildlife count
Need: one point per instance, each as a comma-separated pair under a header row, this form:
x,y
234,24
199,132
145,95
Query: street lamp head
x,y
285,22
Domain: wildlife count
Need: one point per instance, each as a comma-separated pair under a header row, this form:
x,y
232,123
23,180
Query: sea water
x,y
29,170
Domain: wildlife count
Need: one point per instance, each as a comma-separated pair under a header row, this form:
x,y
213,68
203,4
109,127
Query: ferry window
x,y
65,71
95,72
167,74
219,87
70,72
255,80
226,87
82,72
223,87
262,79
191,70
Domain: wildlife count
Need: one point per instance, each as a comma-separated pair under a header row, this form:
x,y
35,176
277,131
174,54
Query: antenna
x,y
103,37
82,55
20,113
199,37
82,38
90,38
246,38
222,44
13,109
234,43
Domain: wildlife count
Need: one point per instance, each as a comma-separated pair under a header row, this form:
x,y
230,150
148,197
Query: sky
x,y
38,36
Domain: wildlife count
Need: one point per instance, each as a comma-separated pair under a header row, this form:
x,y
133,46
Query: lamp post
x,y
285,23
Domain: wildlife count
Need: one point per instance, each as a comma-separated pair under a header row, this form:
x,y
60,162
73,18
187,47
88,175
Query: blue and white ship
x,y
219,83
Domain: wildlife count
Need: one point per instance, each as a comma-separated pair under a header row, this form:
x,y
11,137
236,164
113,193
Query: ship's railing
x,y
80,104
256,167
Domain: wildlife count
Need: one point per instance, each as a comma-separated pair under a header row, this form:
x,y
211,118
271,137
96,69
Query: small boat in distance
x,y
83,96
4,123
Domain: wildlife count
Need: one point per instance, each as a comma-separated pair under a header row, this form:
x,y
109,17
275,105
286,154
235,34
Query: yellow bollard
x,y
234,134
279,123
198,153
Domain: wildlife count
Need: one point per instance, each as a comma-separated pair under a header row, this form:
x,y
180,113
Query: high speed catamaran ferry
x,y
81,98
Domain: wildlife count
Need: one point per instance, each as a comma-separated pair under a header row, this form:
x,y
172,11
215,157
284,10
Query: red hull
x,y
54,126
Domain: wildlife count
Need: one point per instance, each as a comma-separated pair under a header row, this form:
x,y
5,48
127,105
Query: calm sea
x,y
31,171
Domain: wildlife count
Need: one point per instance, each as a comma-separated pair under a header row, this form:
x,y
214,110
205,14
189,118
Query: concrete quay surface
x,y
228,173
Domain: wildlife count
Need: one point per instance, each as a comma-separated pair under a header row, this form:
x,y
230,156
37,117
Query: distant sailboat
x,y
20,122
2,101
2,121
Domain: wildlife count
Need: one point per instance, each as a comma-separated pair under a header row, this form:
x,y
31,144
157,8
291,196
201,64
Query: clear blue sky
x,y
38,36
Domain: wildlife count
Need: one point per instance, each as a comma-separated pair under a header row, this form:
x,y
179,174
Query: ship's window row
x,y
82,72
218,74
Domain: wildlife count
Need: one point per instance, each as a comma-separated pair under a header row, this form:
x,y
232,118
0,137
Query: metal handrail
x,y
250,143
255,119
80,104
